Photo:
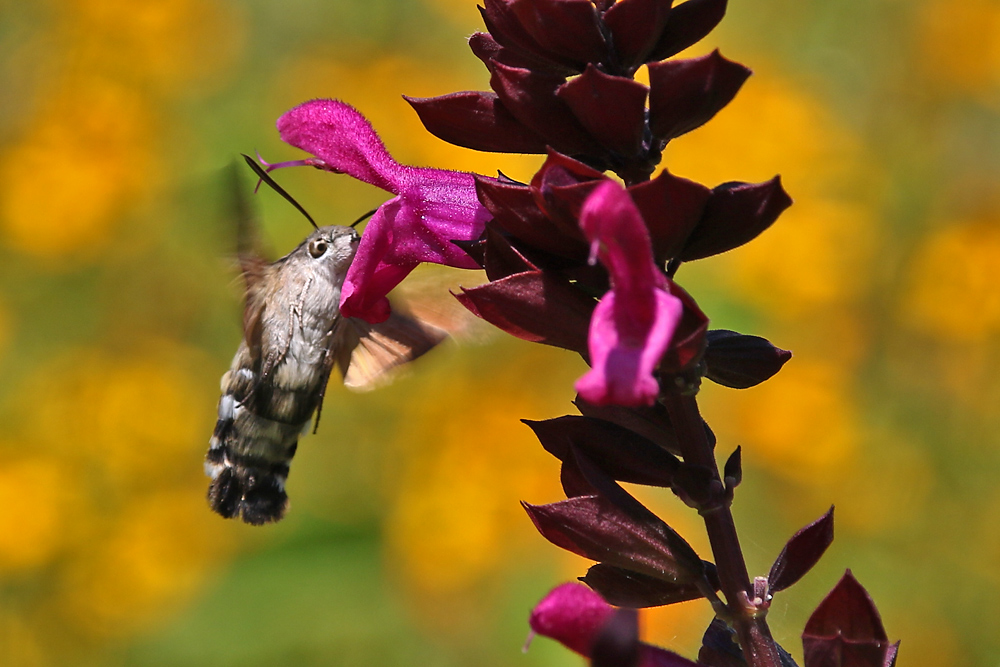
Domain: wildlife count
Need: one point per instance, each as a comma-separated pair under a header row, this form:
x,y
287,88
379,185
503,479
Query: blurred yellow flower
x,y
152,558
168,44
6,327
928,629
891,473
139,420
65,182
467,462
460,13
817,256
111,500
800,425
951,284
959,45
21,645
981,551
37,495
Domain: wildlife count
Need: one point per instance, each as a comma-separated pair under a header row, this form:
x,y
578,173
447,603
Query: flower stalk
x,y
744,613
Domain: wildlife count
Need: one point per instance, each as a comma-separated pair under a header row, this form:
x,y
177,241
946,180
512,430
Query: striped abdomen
x,y
257,432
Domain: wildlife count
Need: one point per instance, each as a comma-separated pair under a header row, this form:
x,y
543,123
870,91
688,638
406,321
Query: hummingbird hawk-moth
x,y
293,336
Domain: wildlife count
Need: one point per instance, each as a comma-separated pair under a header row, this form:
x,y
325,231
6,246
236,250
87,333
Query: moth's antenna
x,y
364,217
264,176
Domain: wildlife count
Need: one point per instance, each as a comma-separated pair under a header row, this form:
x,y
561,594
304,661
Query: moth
x,y
293,336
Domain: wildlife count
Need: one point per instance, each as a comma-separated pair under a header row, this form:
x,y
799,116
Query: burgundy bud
x,y
622,454
698,487
801,553
846,629
733,471
500,258
515,210
596,528
561,170
652,422
741,361
735,214
685,94
688,23
569,28
636,26
560,187
486,48
535,306
611,108
573,481
505,27
610,491
476,120
530,97
672,207
474,249
491,52
626,588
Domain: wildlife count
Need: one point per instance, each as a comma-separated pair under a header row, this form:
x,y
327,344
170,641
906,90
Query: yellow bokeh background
x,y
405,542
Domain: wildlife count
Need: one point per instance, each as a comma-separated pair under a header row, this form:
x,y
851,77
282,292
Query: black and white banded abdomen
x,y
255,438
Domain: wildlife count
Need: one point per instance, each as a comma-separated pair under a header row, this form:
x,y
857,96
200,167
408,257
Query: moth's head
x,y
333,247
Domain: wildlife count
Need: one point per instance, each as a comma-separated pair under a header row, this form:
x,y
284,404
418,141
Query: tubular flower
x,y
432,207
582,621
572,614
633,324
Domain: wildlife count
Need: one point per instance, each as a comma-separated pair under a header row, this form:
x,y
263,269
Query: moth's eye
x,y
317,248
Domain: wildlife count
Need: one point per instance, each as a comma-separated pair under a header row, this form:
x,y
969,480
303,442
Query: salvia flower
x,y
572,614
632,326
580,619
432,207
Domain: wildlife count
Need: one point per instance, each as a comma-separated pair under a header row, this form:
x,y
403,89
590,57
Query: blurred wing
x,y
253,265
381,349
428,295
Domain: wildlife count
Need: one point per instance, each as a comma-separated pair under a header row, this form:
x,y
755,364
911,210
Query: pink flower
x,y
582,621
432,207
632,325
572,614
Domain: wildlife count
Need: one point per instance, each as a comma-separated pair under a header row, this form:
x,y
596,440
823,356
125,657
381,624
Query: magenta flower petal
x,y
370,277
446,209
343,139
572,614
621,365
575,616
432,207
615,229
633,324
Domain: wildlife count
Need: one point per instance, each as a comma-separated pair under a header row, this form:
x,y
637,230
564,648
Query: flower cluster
x,y
577,260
